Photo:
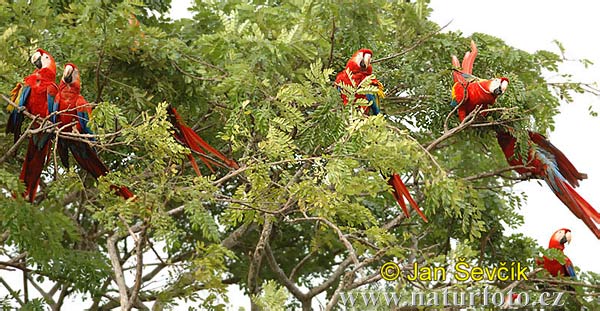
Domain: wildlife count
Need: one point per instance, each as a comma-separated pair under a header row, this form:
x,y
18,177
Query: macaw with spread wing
x,y
186,136
558,241
545,161
36,96
357,72
468,91
74,114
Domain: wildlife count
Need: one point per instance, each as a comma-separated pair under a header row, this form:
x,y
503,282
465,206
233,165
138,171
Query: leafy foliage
x,y
309,211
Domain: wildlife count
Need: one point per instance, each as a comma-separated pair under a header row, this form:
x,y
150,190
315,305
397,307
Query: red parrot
x,y
545,161
75,110
558,241
358,71
468,91
37,97
187,137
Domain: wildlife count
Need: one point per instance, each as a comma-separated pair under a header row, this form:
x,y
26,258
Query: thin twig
x,y
414,46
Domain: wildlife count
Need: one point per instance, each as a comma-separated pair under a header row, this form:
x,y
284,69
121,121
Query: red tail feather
x,y
566,168
88,159
456,76
400,192
469,59
578,206
186,136
35,160
122,191
392,181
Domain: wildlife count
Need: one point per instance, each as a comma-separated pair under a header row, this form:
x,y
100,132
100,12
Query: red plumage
x,y
74,115
358,71
468,91
41,84
553,266
545,161
359,68
187,137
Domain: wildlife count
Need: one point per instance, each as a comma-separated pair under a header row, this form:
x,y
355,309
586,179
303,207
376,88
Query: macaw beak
x,y
363,66
36,59
68,74
497,91
566,238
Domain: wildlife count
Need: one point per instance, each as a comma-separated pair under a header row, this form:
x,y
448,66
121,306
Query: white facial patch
x,y
46,61
504,86
367,58
359,58
494,84
35,56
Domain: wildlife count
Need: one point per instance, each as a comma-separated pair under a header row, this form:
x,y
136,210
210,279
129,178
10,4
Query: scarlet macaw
x,y
357,72
545,161
558,241
37,97
468,91
187,137
73,108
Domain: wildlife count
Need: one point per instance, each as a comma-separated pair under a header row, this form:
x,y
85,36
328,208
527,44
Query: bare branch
x,y
116,263
447,134
412,47
337,230
494,173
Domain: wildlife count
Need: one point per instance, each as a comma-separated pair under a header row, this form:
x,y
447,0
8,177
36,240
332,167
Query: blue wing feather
x,y
52,107
373,100
22,102
570,271
83,121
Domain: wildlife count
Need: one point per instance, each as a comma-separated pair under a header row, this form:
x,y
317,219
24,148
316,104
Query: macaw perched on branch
x,y
187,137
468,91
359,71
37,97
74,114
545,161
558,241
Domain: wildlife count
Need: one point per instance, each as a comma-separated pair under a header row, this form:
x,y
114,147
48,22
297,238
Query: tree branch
x,y
118,269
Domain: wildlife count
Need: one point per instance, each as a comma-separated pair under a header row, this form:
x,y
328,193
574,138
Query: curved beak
x,y
497,91
363,66
566,238
68,74
36,59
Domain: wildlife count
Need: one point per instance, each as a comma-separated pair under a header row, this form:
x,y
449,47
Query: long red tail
x,y
565,167
35,160
578,205
186,136
88,159
400,192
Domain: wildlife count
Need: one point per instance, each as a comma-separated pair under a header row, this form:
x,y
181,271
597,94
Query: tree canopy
x,y
308,212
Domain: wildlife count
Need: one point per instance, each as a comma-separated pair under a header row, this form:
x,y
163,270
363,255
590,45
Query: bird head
x,y
560,238
361,62
498,86
42,59
71,75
